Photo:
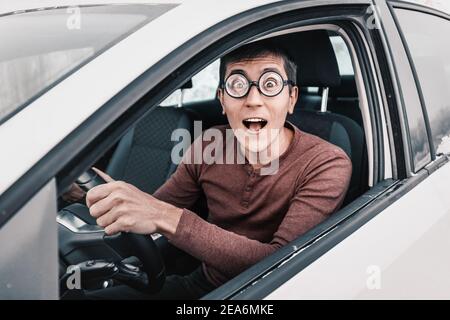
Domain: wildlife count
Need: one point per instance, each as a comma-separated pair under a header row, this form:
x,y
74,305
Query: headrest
x,y
347,89
316,61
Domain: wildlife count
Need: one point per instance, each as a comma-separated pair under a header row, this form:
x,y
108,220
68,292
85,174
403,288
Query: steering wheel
x,y
129,244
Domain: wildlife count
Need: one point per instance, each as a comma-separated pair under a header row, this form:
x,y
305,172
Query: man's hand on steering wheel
x,y
119,206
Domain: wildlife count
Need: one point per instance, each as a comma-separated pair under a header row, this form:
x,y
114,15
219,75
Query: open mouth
x,y
254,124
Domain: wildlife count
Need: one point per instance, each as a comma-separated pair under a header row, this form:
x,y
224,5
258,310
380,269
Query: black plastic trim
x,y
369,80
394,109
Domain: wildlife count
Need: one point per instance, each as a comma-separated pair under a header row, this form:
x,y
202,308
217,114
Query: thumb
x,y
106,177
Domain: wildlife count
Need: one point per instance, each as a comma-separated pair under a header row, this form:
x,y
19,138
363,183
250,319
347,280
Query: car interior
x,y
328,106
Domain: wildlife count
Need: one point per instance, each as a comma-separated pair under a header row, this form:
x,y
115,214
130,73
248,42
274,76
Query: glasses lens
x,y
236,85
271,83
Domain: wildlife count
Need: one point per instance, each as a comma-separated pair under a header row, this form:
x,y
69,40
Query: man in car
x,y
251,213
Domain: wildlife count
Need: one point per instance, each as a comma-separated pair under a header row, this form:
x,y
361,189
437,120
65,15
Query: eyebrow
x,y
241,71
238,71
272,69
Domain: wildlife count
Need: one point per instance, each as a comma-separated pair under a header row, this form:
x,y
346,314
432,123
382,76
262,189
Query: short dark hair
x,y
256,50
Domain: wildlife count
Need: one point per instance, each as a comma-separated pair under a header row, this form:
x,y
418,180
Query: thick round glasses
x,y
270,84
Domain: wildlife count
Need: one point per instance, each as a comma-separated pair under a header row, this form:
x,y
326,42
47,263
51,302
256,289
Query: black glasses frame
x,y
256,84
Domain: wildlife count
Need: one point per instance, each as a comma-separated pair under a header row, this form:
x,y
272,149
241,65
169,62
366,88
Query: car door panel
x,y
401,253
28,250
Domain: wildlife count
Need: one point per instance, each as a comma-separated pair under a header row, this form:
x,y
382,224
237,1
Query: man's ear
x,y
293,99
220,97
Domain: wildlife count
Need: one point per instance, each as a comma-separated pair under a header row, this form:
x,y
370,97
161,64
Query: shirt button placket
x,y
248,188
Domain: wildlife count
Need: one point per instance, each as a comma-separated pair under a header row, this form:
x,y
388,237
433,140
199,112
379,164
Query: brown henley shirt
x,y
252,215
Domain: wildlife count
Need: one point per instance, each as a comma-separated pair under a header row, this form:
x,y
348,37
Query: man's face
x,y
256,119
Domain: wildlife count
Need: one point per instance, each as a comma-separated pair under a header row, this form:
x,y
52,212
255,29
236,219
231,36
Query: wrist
x,y
168,222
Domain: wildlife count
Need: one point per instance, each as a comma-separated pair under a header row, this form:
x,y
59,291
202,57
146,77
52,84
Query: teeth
x,y
258,121
255,119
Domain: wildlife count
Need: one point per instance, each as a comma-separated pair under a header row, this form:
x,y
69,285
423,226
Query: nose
x,y
254,97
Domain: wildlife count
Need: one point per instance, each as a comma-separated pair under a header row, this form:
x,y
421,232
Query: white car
x,y
106,85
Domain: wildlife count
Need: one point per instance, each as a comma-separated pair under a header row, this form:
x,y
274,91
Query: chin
x,y
256,143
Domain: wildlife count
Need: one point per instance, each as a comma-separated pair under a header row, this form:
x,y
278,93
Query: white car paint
x,y
22,249
402,253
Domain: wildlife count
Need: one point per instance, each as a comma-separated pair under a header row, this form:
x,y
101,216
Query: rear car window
x,y
41,47
204,87
431,58
342,56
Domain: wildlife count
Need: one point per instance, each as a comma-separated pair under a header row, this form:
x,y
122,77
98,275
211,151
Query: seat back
x,y
143,155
